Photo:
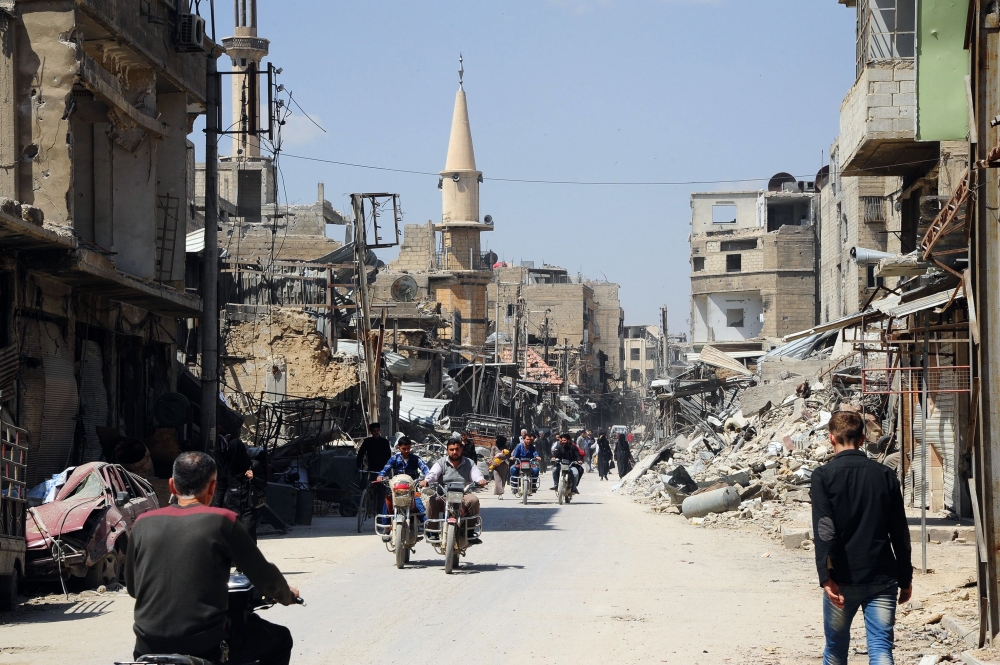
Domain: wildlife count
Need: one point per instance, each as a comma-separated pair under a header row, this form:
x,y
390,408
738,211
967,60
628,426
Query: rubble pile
x,y
765,460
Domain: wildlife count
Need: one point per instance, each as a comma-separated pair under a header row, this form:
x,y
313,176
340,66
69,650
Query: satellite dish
x,y
488,219
404,289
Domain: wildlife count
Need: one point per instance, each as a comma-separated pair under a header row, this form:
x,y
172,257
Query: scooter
x,y
244,601
450,535
402,529
566,483
527,479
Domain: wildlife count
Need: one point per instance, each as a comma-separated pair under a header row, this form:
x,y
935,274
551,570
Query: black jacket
x,y
570,453
859,522
177,569
377,450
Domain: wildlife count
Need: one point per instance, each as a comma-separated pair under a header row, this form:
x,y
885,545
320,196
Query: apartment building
x,y
643,357
753,256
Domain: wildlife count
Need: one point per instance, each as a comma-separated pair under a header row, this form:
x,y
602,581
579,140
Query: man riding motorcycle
x,y
177,569
455,469
567,451
524,451
404,462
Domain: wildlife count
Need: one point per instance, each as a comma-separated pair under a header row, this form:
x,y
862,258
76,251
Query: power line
x,y
607,183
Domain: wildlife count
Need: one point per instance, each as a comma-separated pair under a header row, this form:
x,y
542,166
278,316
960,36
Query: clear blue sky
x,y
597,90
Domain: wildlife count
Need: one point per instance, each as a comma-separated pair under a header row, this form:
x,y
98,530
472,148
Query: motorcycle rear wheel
x,y
450,555
562,491
525,490
399,544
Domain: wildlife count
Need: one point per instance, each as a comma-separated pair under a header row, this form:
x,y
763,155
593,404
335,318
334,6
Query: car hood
x,y
59,518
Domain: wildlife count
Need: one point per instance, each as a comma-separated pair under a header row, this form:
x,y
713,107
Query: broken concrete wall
x,y
47,65
289,337
416,253
171,189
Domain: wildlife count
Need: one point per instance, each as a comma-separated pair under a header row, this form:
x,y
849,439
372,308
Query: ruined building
x,y
447,258
643,347
257,226
98,101
753,272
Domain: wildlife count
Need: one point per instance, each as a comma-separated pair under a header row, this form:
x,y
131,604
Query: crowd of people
x,y
590,453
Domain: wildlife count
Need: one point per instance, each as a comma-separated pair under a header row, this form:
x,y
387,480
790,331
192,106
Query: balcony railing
x,y
444,260
873,209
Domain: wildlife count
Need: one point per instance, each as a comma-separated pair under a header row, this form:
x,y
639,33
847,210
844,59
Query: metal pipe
x,y
210,262
923,450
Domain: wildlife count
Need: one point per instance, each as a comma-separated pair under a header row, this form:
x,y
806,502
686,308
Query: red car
x,y
84,532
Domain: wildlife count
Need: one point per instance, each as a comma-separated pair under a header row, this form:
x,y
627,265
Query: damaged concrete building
x,y
99,100
753,264
643,358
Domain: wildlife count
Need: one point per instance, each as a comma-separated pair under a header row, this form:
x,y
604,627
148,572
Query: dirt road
x,y
598,581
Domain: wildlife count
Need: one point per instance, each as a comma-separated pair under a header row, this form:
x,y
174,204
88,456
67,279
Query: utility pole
x,y
546,338
515,413
210,262
665,344
984,258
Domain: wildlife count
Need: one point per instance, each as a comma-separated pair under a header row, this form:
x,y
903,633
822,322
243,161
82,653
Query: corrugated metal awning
x,y
712,356
891,305
417,409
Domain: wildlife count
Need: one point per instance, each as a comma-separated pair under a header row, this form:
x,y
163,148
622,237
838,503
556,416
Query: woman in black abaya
x,y
623,456
604,456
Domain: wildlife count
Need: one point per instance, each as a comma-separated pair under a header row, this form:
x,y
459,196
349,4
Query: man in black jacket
x,y
177,569
862,543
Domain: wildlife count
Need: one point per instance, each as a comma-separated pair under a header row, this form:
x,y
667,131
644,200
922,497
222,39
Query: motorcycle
x,y
403,528
244,601
566,482
526,479
450,535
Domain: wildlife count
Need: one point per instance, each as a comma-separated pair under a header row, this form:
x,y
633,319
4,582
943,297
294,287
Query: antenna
x,y
461,71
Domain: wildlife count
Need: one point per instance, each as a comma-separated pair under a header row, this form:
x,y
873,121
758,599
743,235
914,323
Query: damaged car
x,y
83,530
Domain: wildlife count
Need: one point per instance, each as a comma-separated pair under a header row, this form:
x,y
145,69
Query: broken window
x,y
650,374
724,214
734,262
886,30
633,354
698,263
873,282
248,195
734,318
738,245
510,310
636,375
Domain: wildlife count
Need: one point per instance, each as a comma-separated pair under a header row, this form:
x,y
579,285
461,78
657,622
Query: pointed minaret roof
x,y
461,157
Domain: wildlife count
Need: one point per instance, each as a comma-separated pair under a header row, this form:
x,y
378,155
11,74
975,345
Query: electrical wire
x,y
607,183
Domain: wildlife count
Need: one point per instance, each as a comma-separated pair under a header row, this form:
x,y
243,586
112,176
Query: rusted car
x,y
84,532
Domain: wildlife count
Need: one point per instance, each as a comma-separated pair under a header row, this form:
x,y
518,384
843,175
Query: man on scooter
x,y
177,569
567,451
524,451
404,462
454,469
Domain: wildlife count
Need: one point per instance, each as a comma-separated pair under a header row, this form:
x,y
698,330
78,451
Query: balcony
x,y
444,260
877,122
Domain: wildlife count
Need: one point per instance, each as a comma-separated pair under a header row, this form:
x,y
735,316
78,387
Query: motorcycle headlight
x,y
455,497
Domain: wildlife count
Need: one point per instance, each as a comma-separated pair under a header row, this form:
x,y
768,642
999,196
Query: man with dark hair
x,y
455,468
469,447
567,451
177,569
373,454
862,543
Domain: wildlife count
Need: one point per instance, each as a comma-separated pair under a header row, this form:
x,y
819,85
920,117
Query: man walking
x,y
862,544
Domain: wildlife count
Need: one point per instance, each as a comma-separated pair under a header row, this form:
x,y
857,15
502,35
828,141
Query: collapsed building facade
x,y
99,102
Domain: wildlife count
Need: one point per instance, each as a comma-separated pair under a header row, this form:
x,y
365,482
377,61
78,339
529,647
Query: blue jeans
x,y
878,604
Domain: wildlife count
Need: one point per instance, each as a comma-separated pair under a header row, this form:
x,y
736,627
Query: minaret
x,y
460,224
464,296
246,49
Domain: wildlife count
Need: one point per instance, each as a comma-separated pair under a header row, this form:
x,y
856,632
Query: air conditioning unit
x,y
190,32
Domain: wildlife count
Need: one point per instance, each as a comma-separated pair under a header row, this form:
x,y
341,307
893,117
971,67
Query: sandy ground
x,y
601,580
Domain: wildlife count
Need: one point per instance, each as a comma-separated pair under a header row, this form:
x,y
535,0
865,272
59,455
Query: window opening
x,y
734,262
734,318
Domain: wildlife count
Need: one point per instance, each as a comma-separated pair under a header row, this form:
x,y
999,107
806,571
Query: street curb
x,y
956,627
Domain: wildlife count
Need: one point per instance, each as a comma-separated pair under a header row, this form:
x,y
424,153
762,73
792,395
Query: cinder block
x,y
879,73
882,125
907,86
904,99
879,100
883,87
793,537
883,112
904,73
904,125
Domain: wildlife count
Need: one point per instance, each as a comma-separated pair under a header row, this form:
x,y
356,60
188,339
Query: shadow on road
x,y
464,568
58,612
